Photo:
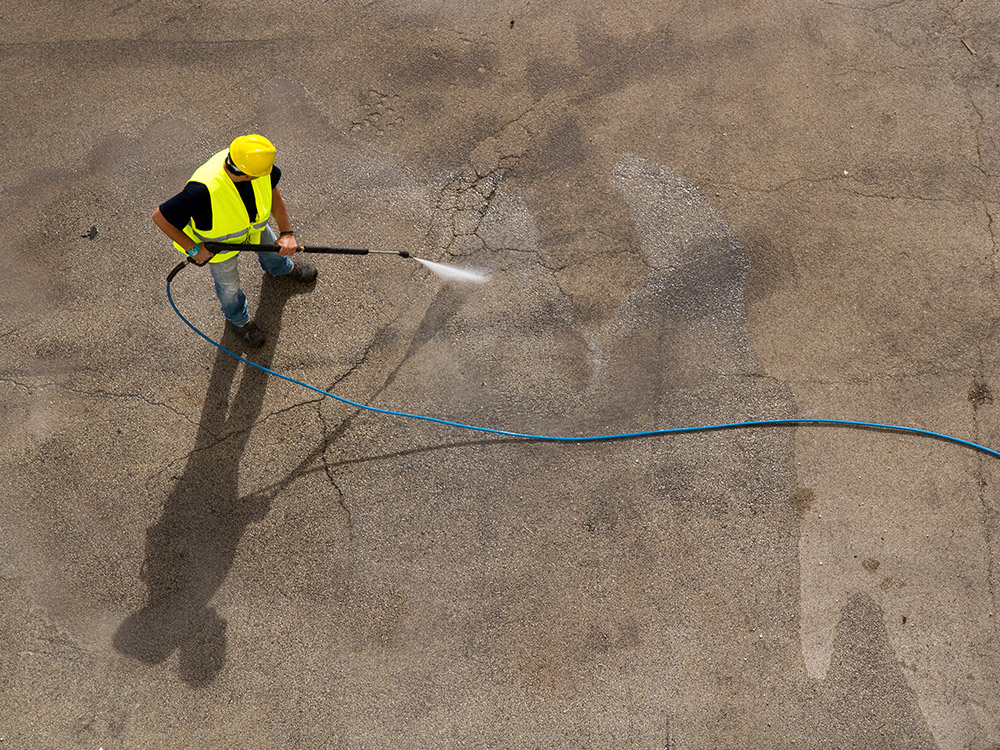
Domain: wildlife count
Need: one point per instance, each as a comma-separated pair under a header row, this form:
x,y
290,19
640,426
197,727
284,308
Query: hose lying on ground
x,y
586,438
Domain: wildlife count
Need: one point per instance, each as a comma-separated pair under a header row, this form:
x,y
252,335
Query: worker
x,y
229,199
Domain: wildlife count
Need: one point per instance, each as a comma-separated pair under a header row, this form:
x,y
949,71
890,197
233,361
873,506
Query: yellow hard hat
x,y
252,155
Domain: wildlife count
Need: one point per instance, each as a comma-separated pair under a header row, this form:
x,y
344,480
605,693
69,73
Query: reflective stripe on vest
x,y
230,221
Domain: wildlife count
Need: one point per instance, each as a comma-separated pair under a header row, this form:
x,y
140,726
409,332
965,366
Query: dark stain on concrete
x,y
866,699
772,266
802,499
870,564
980,394
545,73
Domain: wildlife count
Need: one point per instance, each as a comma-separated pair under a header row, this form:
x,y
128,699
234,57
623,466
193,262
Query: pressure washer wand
x,y
223,247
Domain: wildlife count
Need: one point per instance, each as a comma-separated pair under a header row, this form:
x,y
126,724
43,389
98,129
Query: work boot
x,y
303,271
250,334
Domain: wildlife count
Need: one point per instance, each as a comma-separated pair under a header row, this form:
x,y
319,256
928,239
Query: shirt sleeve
x,y
275,176
191,202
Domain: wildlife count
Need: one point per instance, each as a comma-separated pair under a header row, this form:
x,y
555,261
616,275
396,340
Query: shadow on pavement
x,y
190,550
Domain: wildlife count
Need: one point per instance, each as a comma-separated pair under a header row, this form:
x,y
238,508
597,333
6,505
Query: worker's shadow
x,y
190,550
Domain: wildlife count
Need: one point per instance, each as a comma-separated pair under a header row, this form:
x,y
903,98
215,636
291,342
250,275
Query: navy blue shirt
x,y
194,202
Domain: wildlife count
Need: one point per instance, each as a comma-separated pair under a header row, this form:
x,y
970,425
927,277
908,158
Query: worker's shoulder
x,y
195,189
193,197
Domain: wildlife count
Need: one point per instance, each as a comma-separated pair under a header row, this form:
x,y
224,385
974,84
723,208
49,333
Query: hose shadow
x,y
190,549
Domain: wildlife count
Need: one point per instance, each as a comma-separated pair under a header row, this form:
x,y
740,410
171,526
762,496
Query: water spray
x,y
452,273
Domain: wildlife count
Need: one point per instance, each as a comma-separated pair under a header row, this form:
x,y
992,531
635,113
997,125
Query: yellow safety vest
x,y
230,221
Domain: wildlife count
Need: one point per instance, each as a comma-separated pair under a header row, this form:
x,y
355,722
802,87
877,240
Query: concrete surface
x,y
691,212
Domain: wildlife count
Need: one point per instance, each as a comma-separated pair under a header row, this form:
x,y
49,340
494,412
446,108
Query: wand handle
x,y
225,247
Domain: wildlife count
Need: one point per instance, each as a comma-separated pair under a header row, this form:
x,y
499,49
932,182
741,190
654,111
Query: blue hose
x,y
588,438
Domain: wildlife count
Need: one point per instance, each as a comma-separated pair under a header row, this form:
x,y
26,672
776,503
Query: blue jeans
x,y
227,279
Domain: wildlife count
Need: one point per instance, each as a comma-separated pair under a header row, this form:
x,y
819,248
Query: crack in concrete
x,y
978,130
262,420
329,437
302,469
97,393
713,184
990,523
219,439
462,205
865,9
538,254
990,226
332,434
497,134
990,515
493,155
139,396
466,199
17,383
380,112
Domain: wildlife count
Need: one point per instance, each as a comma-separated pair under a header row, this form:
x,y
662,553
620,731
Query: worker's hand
x,y
288,244
203,256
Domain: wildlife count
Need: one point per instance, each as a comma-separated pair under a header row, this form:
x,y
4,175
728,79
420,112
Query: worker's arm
x,y
179,237
280,213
